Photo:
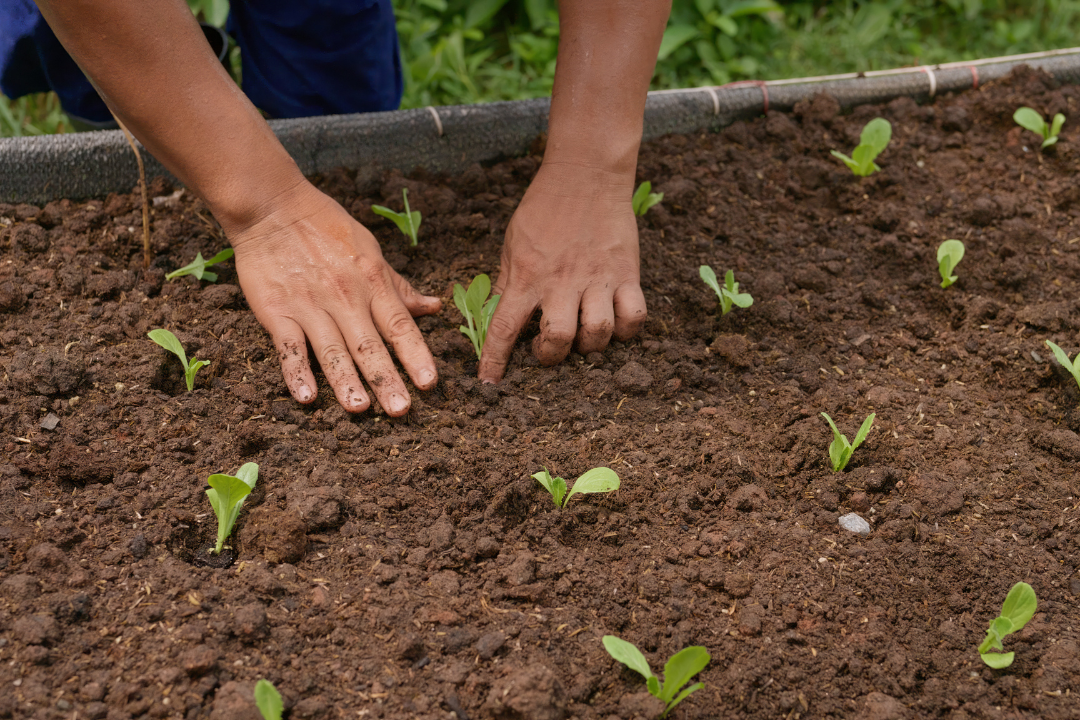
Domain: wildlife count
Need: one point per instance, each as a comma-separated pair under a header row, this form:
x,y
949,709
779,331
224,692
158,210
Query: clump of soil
x,y
410,568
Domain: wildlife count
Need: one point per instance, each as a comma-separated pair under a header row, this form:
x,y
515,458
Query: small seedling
x,y
597,480
1030,119
227,494
167,340
408,222
1073,366
1019,606
268,700
682,666
729,294
198,267
840,449
477,310
875,137
644,198
949,255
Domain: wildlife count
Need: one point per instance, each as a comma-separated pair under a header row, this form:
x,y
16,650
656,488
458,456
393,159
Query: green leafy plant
x,y
477,310
1063,358
1019,606
682,666
728,293
167,340
840,449
268,700
227,494
198,267
644,198
875,137
408,222
949,255
1030,119
597,480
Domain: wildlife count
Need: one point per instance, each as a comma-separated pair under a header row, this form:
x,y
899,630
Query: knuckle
x,y
369,345
332,358
501,326
399,325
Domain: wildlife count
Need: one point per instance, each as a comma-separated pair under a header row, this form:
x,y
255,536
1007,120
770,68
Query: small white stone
x,y
855,523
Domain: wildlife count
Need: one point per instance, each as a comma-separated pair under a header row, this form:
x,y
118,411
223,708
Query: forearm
x,y
607,55
151,65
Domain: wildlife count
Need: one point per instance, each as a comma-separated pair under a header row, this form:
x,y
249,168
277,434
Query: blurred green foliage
x,y
467,51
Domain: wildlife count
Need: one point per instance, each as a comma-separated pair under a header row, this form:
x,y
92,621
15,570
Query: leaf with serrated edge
x,y
682,666
628,655
268,700
597,480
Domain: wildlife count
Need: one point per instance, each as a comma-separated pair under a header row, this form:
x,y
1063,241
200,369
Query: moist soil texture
x,y
410,568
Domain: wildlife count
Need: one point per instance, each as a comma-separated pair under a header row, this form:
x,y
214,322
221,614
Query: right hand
x,y
313,274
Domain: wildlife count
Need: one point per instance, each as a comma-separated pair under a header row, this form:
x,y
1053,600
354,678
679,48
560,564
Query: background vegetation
x,y
468,51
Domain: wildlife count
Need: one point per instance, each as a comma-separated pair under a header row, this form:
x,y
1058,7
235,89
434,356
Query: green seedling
x,y
597,480
728,293
949,255
682,666
477,310
644,198
1073,366
840,449
1019,606
875,137
408,222
268,700
227,494
1030,119
167,340
198,267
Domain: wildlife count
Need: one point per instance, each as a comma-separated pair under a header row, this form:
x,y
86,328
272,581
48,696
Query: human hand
x,y
571,249
312,274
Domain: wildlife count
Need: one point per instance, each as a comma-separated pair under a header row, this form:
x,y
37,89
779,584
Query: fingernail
x,y
426,377
485,381
396,403
303,393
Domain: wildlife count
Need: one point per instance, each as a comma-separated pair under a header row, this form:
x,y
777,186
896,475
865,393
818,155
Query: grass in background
x,y
468,51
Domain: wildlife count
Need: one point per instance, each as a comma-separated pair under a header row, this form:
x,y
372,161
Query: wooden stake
x,y
142,188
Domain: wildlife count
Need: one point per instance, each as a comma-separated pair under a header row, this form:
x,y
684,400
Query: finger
x,y
337,365
292,353
597,321
511,314
558,326
630,311
396,325
415,303
378,368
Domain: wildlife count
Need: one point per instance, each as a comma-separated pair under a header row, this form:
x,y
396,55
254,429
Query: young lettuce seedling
x,y
840,449
198,267
268,700
729,293
644,198
1030,119
1073,366
597,480
477,310
949,255
408,222
1019,606
875,136
227,494
167,340
682,666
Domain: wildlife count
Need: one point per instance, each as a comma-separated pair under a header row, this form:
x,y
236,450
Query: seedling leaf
x,y
874,138
728,293
227,494
840,449
268,700
1019,607
555,486
864,430
998,661
949,255
1030,119
477,313
644,198
198,266
407,222
709,277
628,655
597,480
682,666
682,696
1063,358
167,340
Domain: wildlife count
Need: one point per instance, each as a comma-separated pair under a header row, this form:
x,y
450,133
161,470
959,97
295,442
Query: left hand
x,y
571,250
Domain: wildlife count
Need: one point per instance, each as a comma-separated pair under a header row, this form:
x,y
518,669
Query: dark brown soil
x,y
411,569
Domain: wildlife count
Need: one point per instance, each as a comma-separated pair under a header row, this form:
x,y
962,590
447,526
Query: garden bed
x,y
409,568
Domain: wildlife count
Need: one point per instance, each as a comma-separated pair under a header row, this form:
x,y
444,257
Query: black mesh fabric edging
x,y
447,139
